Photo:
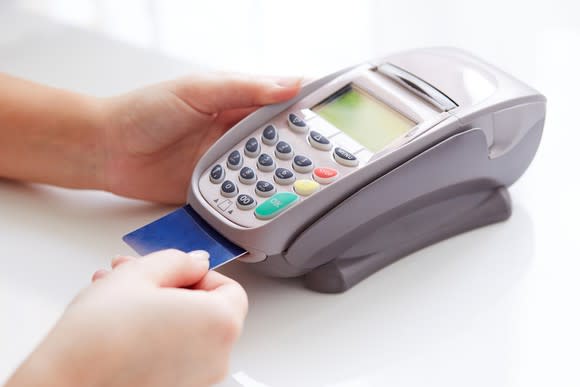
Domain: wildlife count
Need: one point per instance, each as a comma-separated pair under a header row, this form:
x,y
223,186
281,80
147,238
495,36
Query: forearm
x,y
49,135
42,369
59,362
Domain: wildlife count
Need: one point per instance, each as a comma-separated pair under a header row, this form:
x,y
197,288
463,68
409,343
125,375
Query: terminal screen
x,y
364,118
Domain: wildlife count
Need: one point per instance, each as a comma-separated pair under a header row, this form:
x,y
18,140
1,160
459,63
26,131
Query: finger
x,y
171,268
120,259
99,274
225,287
231,117
211,93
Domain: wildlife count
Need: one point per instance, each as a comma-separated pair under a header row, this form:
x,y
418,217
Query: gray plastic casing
x,y
441,180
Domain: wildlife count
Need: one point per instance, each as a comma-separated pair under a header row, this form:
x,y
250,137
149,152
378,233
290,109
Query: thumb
x,y
212,93
171,268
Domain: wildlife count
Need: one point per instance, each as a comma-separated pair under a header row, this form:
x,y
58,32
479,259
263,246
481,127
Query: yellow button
x,y
306,187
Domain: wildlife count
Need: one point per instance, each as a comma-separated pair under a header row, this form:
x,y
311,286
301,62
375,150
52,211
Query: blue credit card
x,y
185,230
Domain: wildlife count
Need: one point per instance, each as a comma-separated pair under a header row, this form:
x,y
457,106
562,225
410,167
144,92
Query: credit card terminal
x,y
369,164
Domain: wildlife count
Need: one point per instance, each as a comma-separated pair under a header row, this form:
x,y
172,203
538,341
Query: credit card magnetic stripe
x,y
185,230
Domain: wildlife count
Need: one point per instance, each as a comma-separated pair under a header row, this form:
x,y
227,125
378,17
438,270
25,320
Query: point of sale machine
x,y
363,167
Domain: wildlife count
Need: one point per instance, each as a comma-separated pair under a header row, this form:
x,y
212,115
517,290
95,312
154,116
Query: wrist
x,y
97,111
108,120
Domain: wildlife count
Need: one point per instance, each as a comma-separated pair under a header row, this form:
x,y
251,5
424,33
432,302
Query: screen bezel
x,y
386,91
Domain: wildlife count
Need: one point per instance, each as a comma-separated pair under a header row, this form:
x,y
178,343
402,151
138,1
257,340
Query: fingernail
x,y
289,82
99,274
199,254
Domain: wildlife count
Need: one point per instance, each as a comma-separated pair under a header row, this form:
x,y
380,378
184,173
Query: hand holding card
x,y
184,230
157,320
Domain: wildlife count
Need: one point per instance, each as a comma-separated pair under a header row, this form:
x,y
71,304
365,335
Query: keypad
x,y
252,147
302,164
245,202
235,160
279,165
247,176
229,189
284,176
217,174
266,163
265,189
319,141
344,157
296,123
270,135
284,150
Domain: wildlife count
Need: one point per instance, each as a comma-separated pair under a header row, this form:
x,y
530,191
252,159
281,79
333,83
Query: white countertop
x,y
494,307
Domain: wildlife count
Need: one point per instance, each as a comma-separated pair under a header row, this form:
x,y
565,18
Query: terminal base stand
x,y
409,229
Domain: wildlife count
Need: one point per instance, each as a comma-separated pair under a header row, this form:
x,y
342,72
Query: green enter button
x,y
275,205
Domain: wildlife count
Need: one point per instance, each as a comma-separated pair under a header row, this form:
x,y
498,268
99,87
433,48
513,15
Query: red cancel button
x,y
325,175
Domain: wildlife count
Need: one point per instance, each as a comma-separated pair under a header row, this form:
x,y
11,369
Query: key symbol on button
x,y
234,160
344,157
296,123
275,205
325,175
252,147
217,175
228,189
270,135
284,176
264,189
306,187
245,202
318,141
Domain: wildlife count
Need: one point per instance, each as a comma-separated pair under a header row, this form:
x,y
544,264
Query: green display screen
x,y
364,118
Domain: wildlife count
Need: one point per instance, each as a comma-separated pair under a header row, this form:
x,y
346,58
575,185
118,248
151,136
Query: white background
x,y
493,307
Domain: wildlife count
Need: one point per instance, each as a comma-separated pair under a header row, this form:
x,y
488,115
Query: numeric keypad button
x,y
318,141
270,135
252,147
284,150
344,157
247,175
284,176
235,160
217,174
296,123
302,164
229,189
266,163
245,202
264,189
